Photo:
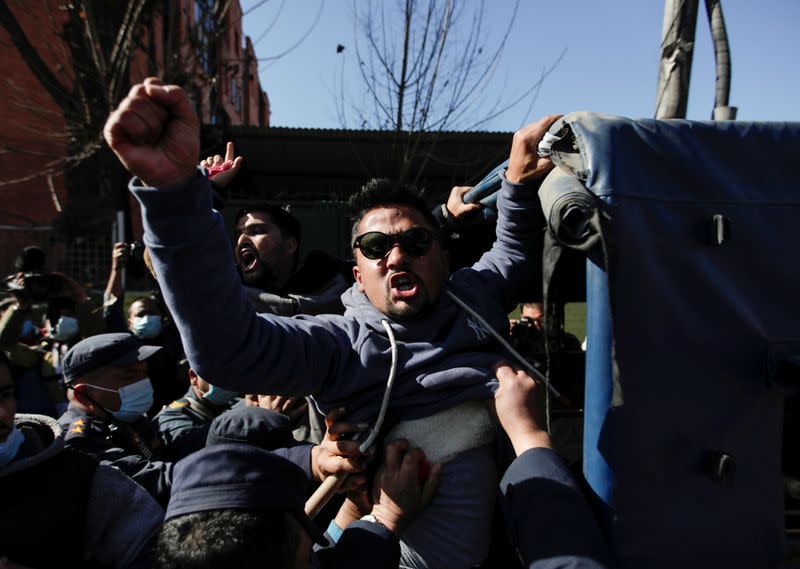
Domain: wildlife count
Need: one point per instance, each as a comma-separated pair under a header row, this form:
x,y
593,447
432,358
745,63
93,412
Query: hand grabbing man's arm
x,y
401,493
548,519
518,403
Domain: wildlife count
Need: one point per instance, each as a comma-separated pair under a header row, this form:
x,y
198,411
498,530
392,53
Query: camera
x,y
522,328
136,250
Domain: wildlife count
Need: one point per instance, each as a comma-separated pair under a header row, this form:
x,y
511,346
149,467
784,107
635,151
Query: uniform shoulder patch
x,y
178,404
77,427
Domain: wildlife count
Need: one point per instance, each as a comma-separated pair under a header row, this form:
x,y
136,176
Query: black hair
x,y
238,538
31,260
146,299
379,192
286,222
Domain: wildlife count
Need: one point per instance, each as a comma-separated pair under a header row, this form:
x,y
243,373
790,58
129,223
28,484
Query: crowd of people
x,y
197,427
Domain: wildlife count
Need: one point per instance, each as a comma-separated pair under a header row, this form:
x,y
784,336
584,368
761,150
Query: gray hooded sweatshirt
x,y
445,356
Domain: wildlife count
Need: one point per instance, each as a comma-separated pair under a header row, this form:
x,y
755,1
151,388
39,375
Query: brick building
x,y
66,66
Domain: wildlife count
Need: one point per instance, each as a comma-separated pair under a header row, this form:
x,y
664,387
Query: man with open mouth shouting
x,y
267,244
401,264
403,316
267,247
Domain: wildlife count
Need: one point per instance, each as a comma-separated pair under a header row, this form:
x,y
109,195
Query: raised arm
x,y
155,134
520,222
549,521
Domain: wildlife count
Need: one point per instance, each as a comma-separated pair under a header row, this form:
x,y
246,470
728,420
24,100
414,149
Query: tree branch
x,y
37,66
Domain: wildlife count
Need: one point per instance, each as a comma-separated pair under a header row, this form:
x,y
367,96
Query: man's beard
x,y
407,311
263,277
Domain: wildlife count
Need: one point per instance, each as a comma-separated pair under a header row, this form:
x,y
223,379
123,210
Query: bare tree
x,y
426,67
82,54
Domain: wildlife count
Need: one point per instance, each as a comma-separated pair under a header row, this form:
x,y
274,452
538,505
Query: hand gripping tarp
x,y
693,319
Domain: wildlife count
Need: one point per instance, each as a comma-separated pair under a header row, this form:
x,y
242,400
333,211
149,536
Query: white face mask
x,y
135,400
10,447
65,329
146,327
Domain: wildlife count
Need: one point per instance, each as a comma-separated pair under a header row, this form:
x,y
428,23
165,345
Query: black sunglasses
x,y
416,242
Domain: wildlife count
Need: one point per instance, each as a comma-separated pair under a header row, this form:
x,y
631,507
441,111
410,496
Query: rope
x,y
535,373
389,383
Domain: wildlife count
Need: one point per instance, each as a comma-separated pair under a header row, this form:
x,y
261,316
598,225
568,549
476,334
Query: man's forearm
x,y
518,240
225,341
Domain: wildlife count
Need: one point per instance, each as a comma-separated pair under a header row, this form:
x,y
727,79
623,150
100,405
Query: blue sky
x,y
610,58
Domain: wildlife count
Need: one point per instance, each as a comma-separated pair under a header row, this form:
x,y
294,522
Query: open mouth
x,y
248,259
404,285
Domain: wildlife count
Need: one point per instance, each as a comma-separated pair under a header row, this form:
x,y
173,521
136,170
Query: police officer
x,y
183,424
59,507
109,392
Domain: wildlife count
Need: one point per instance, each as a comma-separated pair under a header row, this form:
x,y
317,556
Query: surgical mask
x,y
10,447
146,327
66,328
218,396
135,400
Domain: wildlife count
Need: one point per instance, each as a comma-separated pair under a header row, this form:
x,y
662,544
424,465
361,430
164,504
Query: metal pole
x,y
722,56
675,67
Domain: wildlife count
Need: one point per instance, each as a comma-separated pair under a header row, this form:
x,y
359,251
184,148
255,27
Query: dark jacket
x,y
124,446
106,519
548,519
183,425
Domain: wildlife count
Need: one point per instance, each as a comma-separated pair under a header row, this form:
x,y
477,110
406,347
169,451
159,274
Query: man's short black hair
x,y
286,222
145,300
212,539
379,192
31,260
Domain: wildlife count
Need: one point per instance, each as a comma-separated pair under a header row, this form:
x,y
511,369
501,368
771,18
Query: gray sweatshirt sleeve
x,y
226,342
519,237
123,521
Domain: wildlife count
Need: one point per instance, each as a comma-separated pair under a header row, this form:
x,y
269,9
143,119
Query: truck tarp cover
x,y
700,229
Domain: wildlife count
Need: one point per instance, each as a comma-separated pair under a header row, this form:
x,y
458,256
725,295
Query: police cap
x,y
240,476
104,350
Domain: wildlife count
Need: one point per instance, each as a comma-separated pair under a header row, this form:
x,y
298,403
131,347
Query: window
x,y
204,34
236,95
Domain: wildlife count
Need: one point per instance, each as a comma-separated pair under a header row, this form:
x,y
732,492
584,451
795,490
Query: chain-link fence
x,y
87,259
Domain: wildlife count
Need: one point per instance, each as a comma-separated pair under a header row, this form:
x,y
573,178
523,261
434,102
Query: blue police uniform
x,y
548,519
183,424
131,447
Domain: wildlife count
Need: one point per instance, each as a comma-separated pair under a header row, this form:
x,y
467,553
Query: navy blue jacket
x,y
101,439
549,521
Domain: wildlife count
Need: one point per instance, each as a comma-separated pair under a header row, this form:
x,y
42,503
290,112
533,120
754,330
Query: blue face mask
x,y
218,396
135,400
10,447
28,329
66,329
146,327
